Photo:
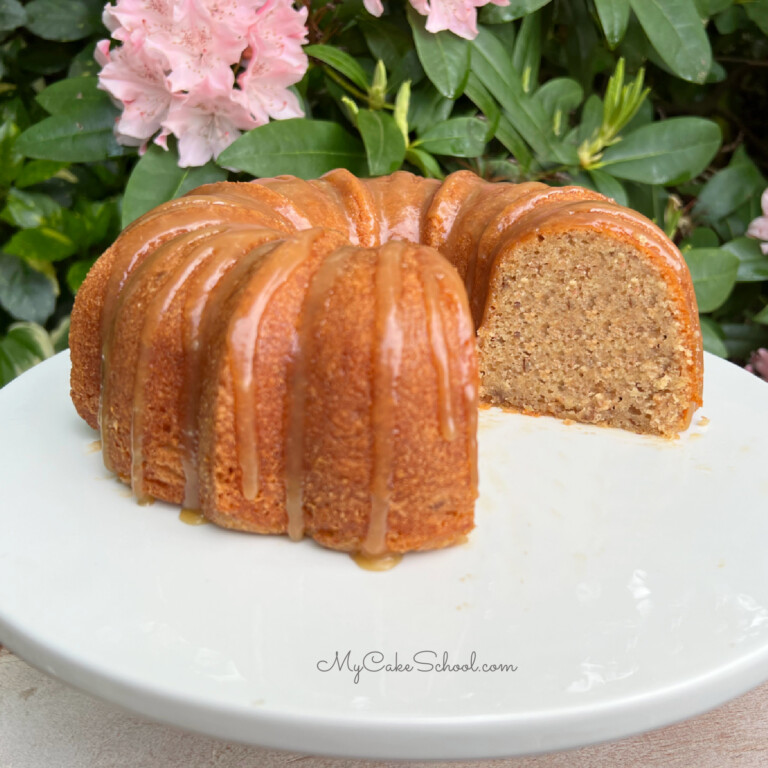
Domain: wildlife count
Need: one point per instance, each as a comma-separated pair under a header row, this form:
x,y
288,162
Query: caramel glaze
x,y
319,287
219,298
192,517
388,353
93,313
354,197
379,563
230,257
448,343
532,198
482,205
401,201
119,375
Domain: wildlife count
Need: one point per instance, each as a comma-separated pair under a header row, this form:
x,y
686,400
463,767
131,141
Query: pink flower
x,y
758,363
457,16
277,61
374,7
278,32
206,121
131,16
135,77
175,69
196,47
759,227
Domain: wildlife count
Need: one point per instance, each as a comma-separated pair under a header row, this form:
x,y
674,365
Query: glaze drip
x,y
317,292
462,353
440,355
192,517
153,317
242,344
150,233
155,262
387,354
379,563
231,254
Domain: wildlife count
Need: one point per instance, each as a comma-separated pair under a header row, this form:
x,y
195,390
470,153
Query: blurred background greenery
x,y
659,104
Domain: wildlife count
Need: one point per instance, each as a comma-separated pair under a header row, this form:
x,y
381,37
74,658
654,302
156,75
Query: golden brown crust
x,y
533,198
103,283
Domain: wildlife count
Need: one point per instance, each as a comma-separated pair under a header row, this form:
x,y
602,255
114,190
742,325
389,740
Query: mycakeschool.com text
x,y
421,661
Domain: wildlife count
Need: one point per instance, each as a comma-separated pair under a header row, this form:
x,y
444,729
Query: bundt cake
x,y
300,356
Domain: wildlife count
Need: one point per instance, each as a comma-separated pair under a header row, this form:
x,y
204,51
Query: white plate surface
x,y
625,578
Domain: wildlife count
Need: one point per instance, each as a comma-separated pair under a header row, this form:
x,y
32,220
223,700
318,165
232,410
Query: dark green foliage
x,y
658,104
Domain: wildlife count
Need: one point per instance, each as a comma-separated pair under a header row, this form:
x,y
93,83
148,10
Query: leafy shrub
x,y
656,103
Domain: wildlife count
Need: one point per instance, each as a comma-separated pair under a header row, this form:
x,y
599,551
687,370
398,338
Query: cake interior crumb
x,y
582,326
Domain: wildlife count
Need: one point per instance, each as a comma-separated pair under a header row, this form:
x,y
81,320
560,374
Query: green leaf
x,y
493,67
479,95
100,221
561,93
526,57
37,171
701,237
728,190
460,137
383,140
25,293
614,17
427,107
11,159
386,41
591,119
753,263
424,162
559,97
643,116
77,273
513,141
83,134
758,12
762,316
678,36
60,335
649,199
670,151
713,272
494,14
41,244
606,184
708,8
157,178
83,64
582,47
444,56
15,111
44,58
712,335
12,15
62,96
28,210
741,339
64,20
341,62
304,148
394,46
25,345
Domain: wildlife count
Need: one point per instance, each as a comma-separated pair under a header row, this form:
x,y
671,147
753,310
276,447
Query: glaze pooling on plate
x,y
627,587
